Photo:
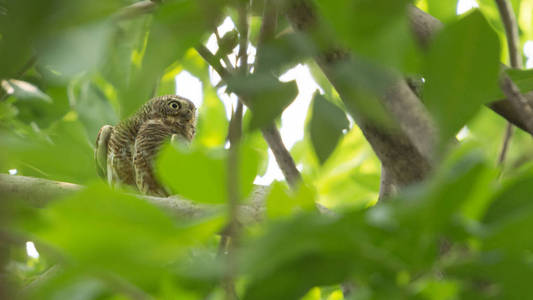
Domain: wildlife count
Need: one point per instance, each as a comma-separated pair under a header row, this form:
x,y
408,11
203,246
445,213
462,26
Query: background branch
x,y
511,33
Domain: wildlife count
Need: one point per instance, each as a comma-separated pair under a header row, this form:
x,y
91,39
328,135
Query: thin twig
x,y
513,43
213,62
505,144
270,132
511,31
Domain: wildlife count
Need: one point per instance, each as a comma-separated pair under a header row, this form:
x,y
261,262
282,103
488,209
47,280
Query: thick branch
x,y
405,153
518,101
38,192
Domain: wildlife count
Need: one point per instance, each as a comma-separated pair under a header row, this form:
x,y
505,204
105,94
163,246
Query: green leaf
x,y
61,152
92,106
512,200
227,43
78,49
442,10
372,28
326,127
250,156
267,96
102,230
463,61
212,124
281,202
284,52
24,90
177,26
197,174
522,78
312,250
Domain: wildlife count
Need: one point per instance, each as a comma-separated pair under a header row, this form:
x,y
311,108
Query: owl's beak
x,y
188,115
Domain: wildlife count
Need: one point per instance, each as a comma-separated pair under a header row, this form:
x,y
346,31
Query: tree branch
x,y
515,57
270,133
38,192
405,153
511,32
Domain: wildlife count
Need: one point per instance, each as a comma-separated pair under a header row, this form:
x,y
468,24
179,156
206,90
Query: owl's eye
x,y
174,105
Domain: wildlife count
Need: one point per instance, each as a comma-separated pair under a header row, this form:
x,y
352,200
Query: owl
x,y
125,153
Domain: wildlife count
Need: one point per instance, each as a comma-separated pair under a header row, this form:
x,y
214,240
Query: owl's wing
x,y
101,148
149,139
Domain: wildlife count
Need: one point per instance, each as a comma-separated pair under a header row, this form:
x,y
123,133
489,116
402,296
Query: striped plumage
x,y
125,153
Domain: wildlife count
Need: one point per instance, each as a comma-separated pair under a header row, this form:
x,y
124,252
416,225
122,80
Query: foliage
x,y
69,67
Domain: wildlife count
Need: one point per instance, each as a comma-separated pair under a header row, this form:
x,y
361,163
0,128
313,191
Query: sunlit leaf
x,y
281,202
197,174
442,10
212,123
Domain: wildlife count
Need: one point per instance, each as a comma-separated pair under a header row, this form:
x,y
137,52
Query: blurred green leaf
x,y
176,27
212,123
372,29
92,106
445,11
101,230
75,50
280,54
61,152
522,78
281,202
463,61
24,90
198,174
267,96
250,155
326,127
227,43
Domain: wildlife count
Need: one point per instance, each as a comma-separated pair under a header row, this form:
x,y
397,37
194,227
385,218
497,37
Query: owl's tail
x,y
100,151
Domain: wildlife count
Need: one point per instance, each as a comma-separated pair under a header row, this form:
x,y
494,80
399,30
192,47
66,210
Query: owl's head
x,y
175,108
